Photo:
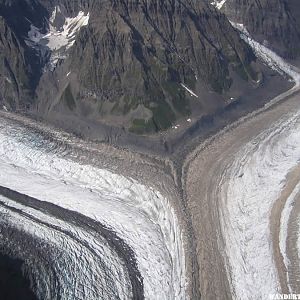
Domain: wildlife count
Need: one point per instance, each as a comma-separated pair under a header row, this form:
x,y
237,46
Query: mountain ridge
x,y
141,67
162,43
272,22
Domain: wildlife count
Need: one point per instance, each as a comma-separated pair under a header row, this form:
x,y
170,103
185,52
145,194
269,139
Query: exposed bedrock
x,y
137,65
272,22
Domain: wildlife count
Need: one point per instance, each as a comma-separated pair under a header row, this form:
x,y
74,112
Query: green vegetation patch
x,y
163,116
140,126
68,99
177,94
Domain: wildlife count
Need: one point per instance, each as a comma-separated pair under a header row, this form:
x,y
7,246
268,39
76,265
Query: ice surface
x,y
253,183
250,187
141,216
65,37
104,265
284,220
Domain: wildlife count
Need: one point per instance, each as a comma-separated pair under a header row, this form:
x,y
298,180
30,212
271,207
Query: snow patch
x,y
55,12
218,3
8,80
58,39
189,90
65,37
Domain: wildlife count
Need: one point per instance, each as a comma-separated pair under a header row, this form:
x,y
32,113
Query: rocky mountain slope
x,y
140,66
273,22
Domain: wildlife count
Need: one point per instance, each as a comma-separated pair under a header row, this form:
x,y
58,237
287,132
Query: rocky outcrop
x,y
138,65
274,22
20,65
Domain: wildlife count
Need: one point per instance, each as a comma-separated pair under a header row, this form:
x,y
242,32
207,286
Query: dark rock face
x,y
139,53
20,65
276,22
129,66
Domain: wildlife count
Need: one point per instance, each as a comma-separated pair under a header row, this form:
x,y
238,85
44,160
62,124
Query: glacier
x,y
251,185
77,278
138,214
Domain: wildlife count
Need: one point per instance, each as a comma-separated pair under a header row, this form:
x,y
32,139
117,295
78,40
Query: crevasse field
x,y
138,214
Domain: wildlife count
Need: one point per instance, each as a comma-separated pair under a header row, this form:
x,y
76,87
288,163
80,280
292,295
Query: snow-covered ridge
x,y
59,38
139,215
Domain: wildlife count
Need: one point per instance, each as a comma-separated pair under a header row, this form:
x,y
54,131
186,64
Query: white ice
x,y
81,266
140,215
65,37
284,220
250,187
